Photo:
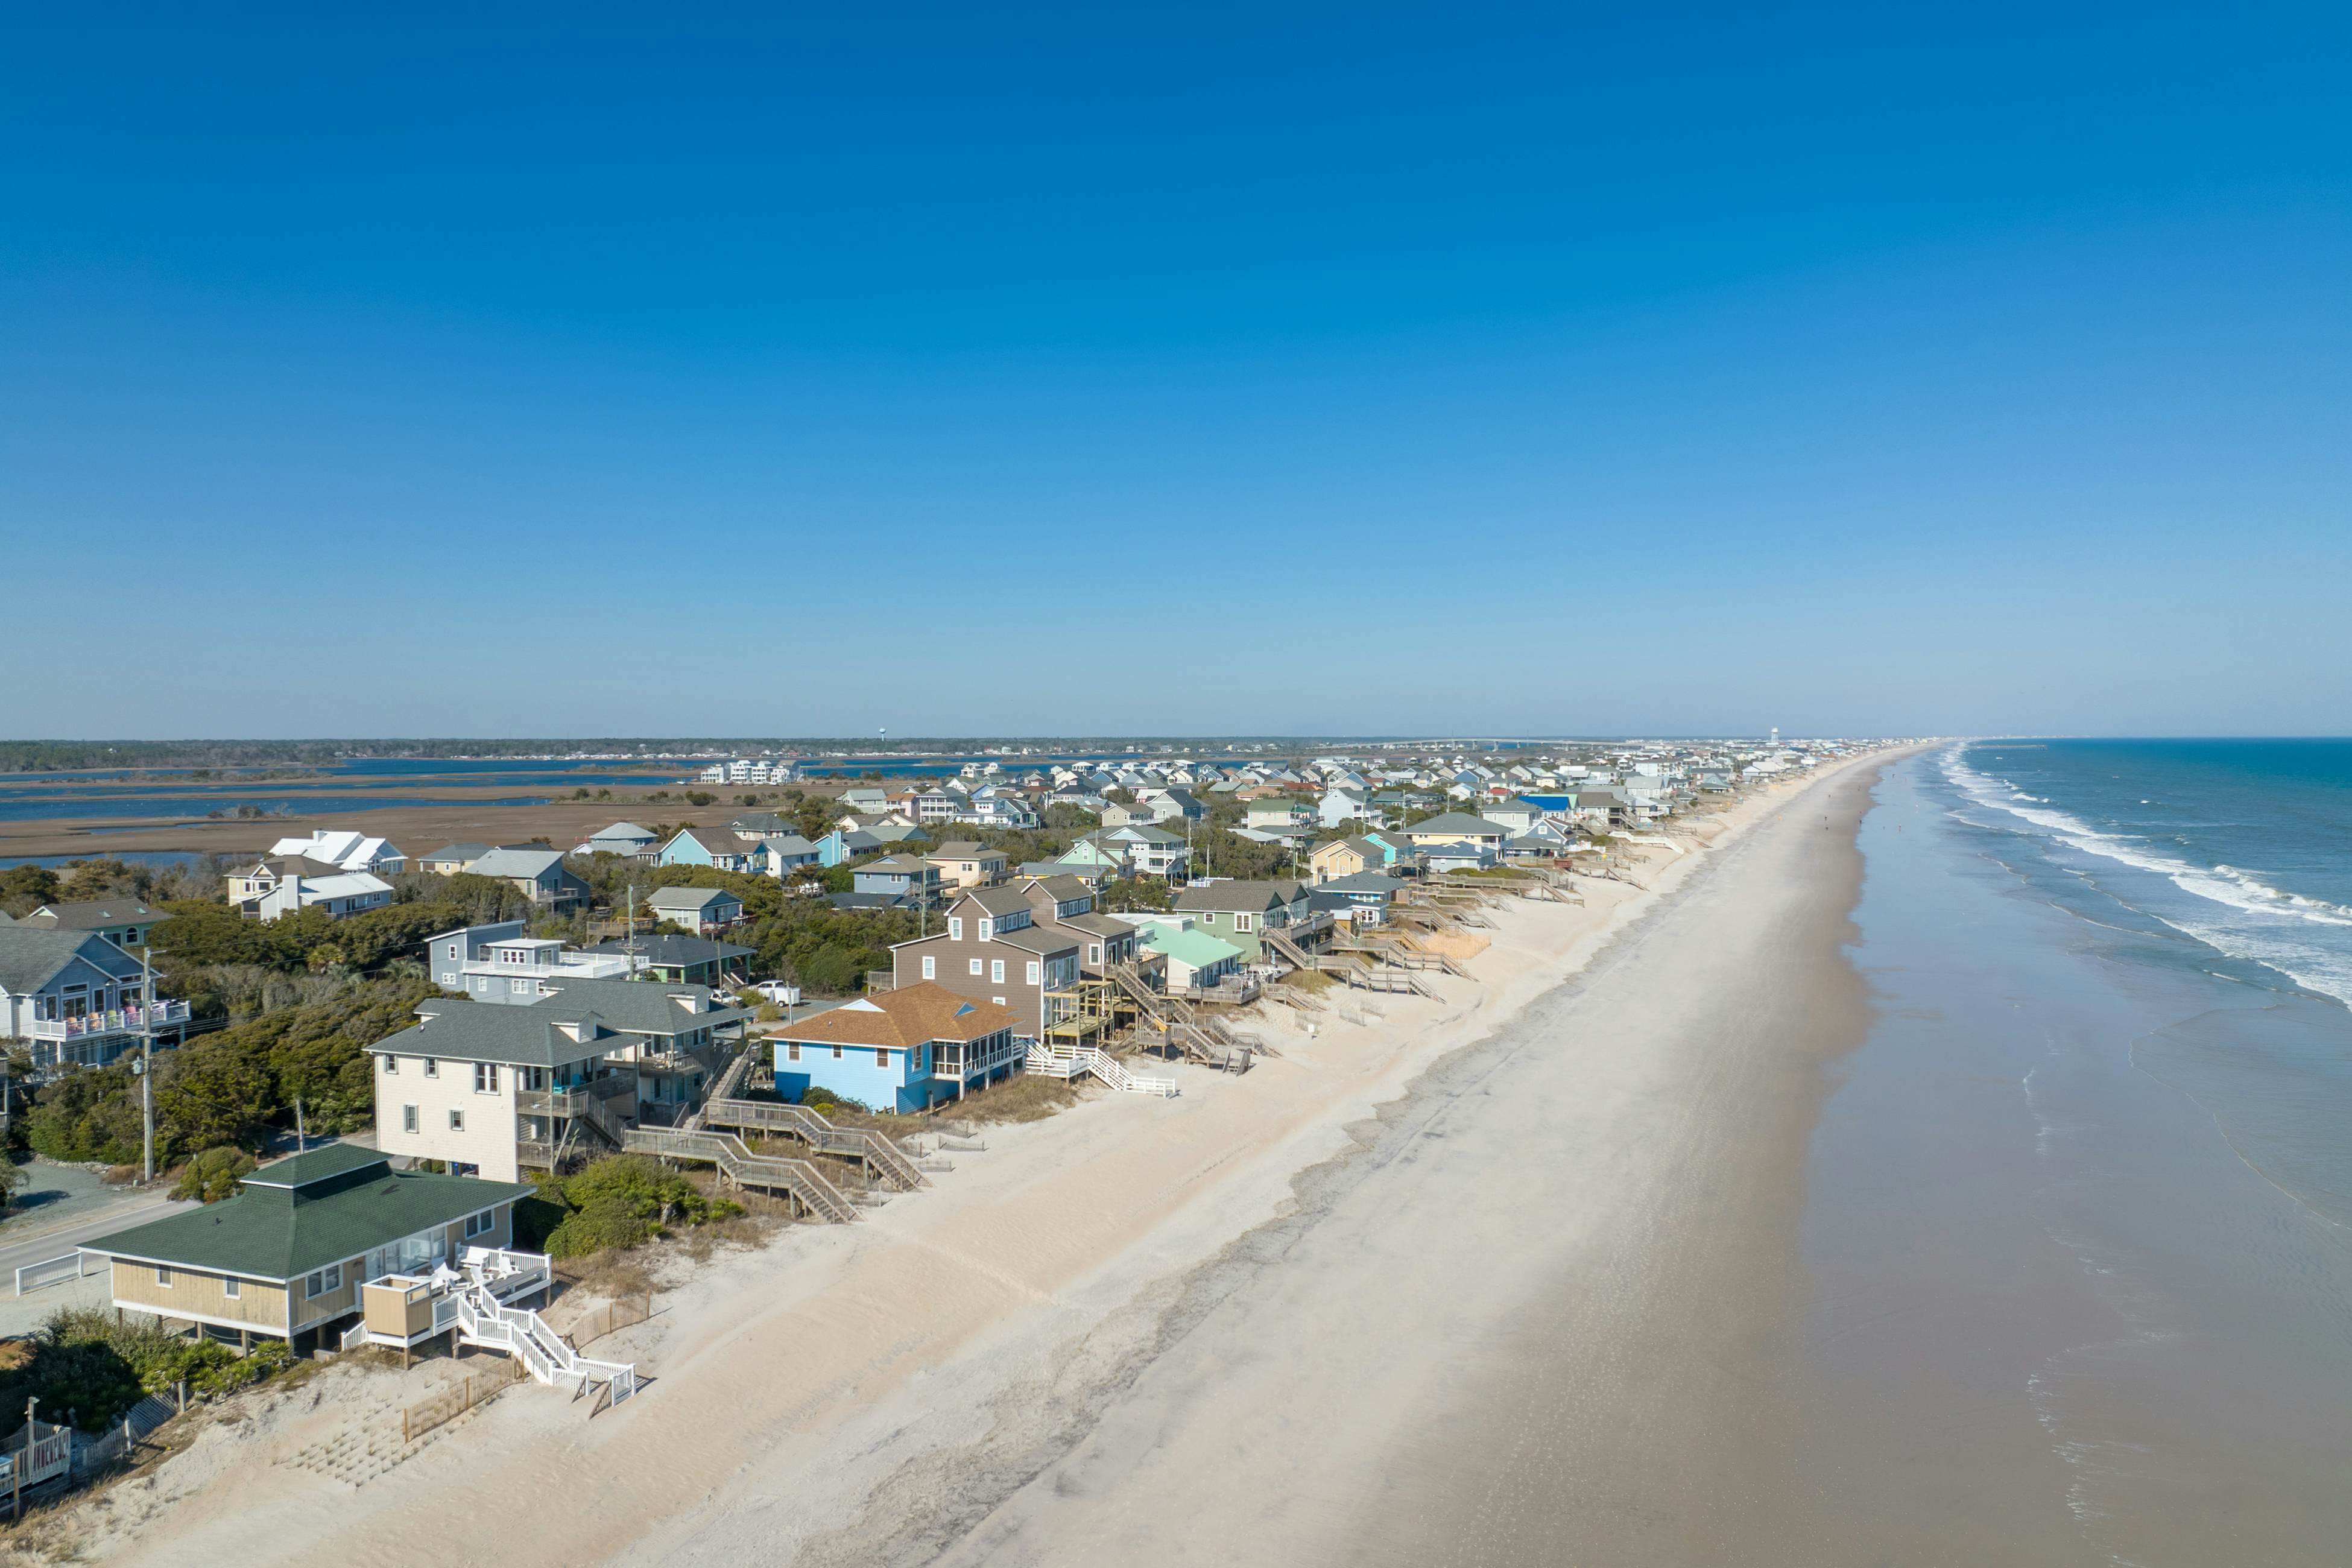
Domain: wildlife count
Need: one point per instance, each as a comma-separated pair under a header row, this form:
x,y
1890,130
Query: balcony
x,y
574,1101
114,1021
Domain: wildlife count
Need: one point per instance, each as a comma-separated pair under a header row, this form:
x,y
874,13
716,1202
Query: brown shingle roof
x,y
908,1016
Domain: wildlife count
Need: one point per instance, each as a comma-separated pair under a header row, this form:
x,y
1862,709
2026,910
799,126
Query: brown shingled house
x,y
994,948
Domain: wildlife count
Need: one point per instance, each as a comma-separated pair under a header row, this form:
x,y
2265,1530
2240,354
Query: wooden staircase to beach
x,y
797,1180
880,1157
1196,1033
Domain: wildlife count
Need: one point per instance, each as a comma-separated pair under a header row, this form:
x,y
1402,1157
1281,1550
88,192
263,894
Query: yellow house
x,y
288,1256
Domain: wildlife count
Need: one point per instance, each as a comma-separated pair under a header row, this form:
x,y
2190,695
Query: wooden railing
x,y
797,1179
878,1152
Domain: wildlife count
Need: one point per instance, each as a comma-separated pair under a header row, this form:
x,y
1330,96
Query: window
x,y
408,1119
881,1055
794,1051
329,1278
432,1067
1094,952
918,1059
391,1063
163,1276
233,1288
452,949
519,987
481,983
976,966
532,1078
955,928
930,968
456,1121
836,1053
486,1077
477,1225
997,971
987,928
1245,922
1034,972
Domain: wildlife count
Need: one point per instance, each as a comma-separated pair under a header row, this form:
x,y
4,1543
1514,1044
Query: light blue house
x,y
714,846
845,844
782,854
902,1051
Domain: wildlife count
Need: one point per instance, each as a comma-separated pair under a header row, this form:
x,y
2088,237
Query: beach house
x,y
125,922
286,1257
492,1090
1452,826
905,1049
994,949
76,998
718,847
1241,912
538,874
697,910
497,963
625,839
1197,962
272,890
345,851
967,865
690,960
1066,904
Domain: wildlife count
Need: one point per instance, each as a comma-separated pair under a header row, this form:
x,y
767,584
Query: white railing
x,y
111,1021
57,1271
1069,1061
527,1336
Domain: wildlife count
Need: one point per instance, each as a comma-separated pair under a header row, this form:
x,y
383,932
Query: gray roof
x,y
634,1006
458,852
31,956
687,898
1252,896
899,865
624,830
759,825
1138,833
300,1215
666,950
1062,887
505,862
454,1029
98,914
871,900
1043,940
789,844
1362,882
1094,924
995,901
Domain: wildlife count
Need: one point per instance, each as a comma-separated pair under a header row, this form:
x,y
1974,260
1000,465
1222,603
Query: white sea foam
x,y
2271,938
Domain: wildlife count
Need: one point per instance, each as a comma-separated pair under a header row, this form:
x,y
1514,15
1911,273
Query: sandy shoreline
x,y
877,1391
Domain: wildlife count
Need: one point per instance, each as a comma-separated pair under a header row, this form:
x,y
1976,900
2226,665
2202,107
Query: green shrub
x,y
214,1175
84,1364
615,1202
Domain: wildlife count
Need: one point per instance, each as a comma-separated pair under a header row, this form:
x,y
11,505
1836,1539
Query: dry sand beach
x,y
1381,1299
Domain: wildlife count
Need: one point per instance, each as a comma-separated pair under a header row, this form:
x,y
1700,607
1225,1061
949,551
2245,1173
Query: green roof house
x,y
286,1257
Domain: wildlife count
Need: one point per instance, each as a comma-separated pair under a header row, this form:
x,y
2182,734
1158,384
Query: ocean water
x,y
2077,1249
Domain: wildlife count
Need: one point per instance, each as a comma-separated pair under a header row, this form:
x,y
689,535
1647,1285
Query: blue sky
x,y
1104,369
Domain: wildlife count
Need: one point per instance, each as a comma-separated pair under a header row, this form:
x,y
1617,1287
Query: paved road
x,y
15,1252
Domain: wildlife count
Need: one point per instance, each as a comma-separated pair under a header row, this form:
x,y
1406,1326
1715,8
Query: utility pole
x,y
146,1064
301,1137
